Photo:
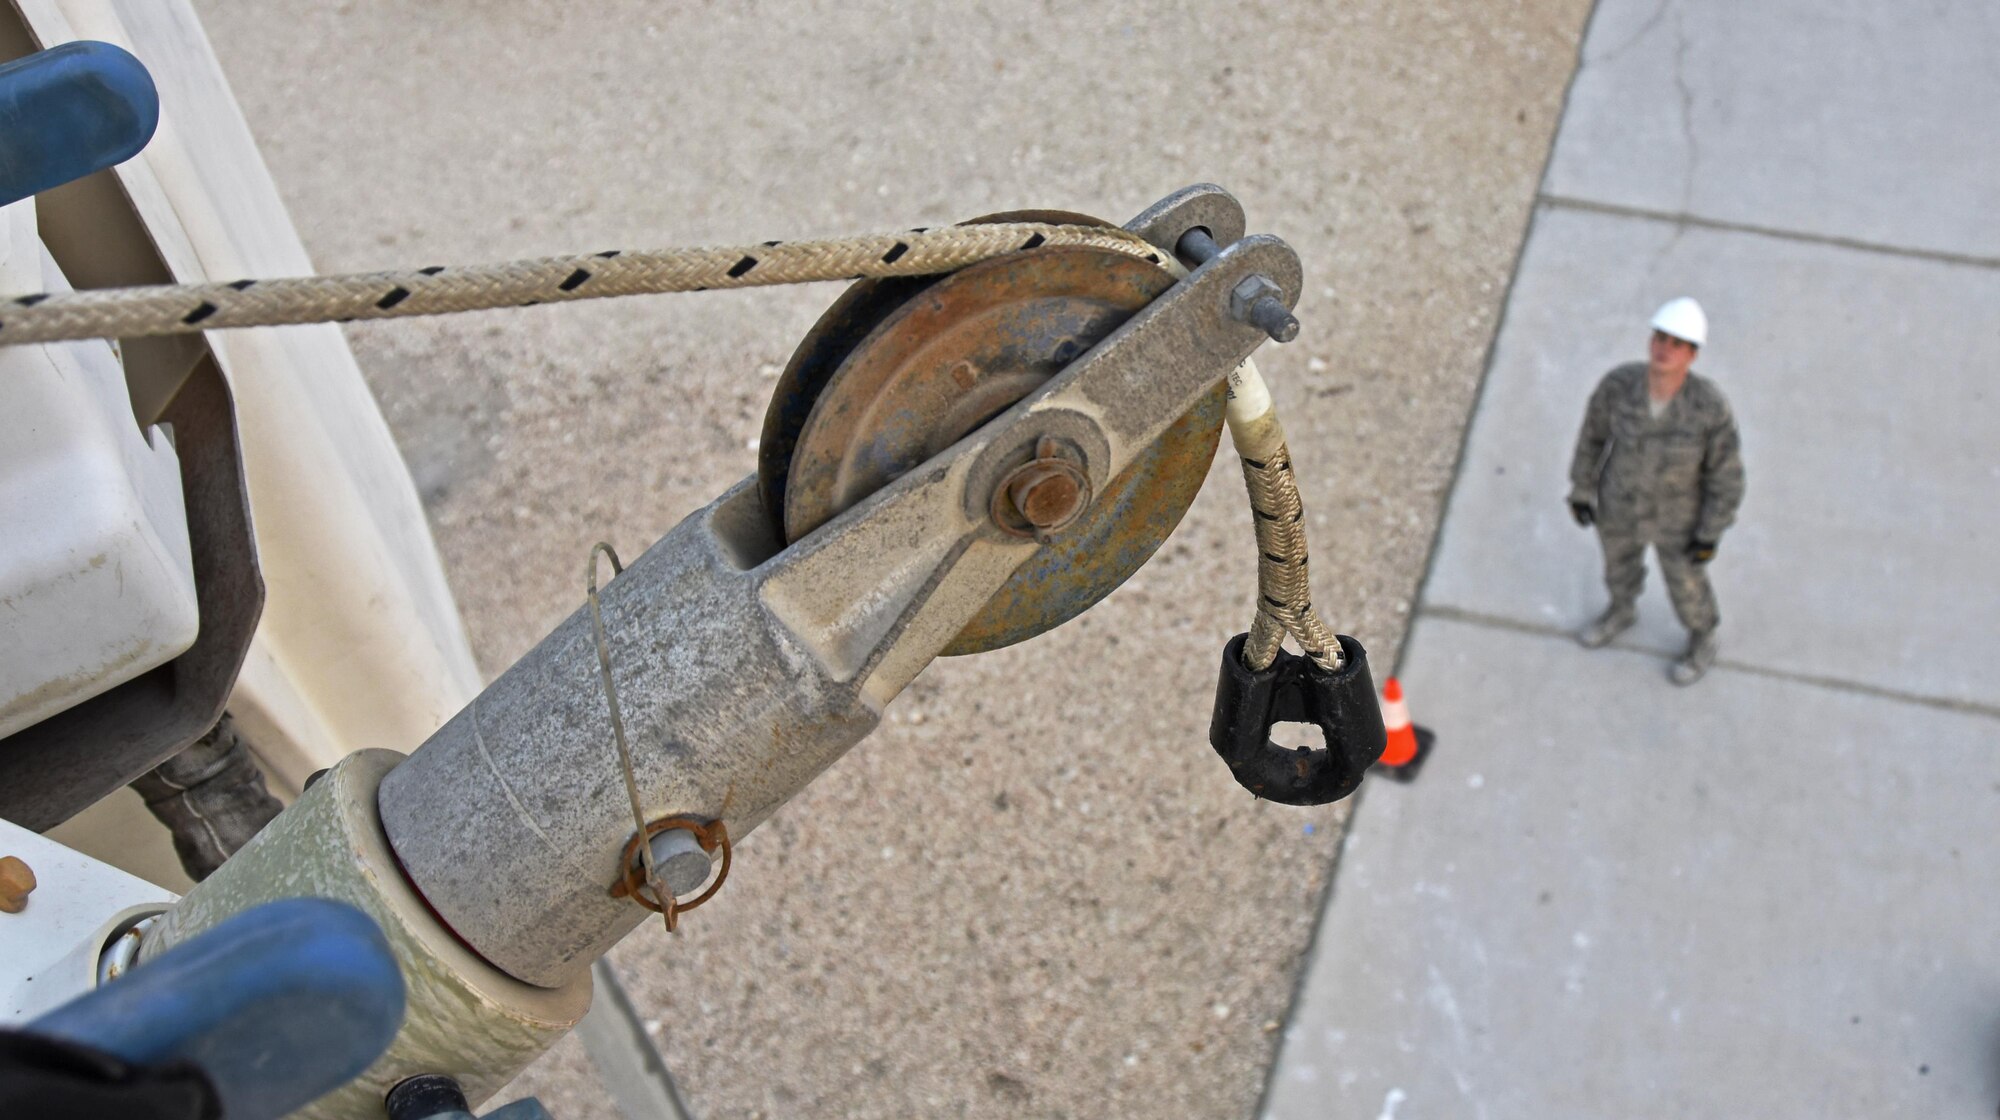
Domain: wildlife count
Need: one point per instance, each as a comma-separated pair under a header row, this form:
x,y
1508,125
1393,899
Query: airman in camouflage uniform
x,y
1658,463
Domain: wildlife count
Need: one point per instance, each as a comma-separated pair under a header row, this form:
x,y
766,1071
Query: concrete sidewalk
x,y
1772,894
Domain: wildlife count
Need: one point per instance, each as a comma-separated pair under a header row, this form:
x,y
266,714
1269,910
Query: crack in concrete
x,y
1645,28
1687,111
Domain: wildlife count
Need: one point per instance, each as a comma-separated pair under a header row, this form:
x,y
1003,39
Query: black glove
x,y
1584,512
1701,551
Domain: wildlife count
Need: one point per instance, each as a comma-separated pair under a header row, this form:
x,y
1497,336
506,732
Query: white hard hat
x,y
1682,318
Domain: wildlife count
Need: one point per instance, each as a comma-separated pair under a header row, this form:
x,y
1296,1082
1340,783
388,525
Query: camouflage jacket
x,y
1679,474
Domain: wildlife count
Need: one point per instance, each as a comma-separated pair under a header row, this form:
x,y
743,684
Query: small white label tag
x,y
1248,396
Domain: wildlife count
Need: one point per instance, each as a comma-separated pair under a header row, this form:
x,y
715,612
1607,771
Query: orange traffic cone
x,y
1408,743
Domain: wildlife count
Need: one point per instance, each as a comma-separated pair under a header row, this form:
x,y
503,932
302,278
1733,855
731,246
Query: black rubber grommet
x,y
1294,689
424,1096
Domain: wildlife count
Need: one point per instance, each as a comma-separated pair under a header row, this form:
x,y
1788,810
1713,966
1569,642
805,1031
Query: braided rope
x,y
187,308
1284,583
1284,593
1284,587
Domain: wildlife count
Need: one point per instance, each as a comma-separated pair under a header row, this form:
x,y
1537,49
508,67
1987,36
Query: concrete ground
x,y
1770,894
1034,892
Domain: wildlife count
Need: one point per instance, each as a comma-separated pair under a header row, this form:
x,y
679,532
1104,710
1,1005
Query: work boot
x,y
1614,621
1700,655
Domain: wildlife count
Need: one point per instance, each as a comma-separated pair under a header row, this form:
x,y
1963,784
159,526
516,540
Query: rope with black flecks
x,y
1284,587
188,308
1284,599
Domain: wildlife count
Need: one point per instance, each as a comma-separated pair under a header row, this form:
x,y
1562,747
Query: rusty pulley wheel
x,y
897,371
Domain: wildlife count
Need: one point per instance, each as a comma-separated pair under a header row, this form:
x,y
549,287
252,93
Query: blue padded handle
x,y
69,111
279,1006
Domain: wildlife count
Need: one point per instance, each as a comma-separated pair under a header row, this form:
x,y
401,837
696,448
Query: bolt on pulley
x,y
1043,495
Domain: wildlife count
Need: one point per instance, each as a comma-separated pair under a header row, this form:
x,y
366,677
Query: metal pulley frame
x,y
746,666
1032,403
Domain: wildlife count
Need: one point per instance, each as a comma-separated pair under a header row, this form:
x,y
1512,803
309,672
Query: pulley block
x,y
898,370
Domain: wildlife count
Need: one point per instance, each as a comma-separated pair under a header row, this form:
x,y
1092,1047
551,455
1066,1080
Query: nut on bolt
x,y
1042,495
1260,302
17,881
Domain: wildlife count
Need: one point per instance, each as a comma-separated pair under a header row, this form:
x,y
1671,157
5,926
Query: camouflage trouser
x,y
1687,581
